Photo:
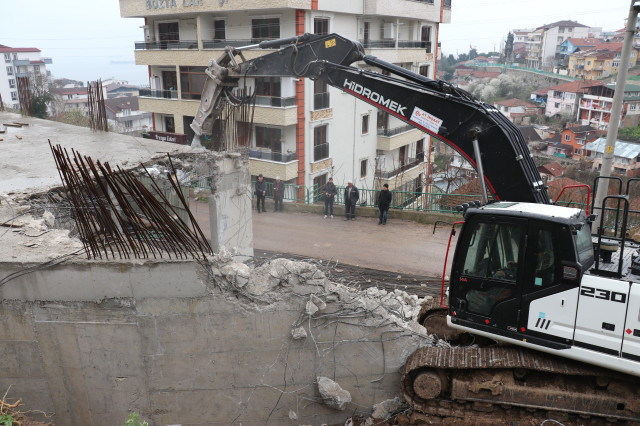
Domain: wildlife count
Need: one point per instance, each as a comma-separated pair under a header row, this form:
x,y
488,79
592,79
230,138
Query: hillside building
x,y
19,62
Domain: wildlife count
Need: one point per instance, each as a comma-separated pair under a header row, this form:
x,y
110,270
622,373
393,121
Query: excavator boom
x,y
449,114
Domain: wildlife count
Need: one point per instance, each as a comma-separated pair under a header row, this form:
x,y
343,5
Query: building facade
x,y
564,98
125,117
544,44
19,62
595,106
303,131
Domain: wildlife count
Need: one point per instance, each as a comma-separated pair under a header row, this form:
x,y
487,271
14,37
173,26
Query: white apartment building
x,y
543,44
18,62
303,131
125,117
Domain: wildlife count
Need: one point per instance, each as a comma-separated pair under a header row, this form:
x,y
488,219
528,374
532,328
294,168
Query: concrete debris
x,y
384,410
49,219
349,422
332,394
320,304
311,308
293,415
299,333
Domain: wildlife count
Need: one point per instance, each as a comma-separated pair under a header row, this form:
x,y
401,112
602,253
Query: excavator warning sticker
x,y
423,118
330,43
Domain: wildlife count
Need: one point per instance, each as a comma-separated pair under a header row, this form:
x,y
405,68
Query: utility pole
x,y
616,109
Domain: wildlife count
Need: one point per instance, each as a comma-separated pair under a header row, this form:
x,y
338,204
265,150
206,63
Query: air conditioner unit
x,y
389,30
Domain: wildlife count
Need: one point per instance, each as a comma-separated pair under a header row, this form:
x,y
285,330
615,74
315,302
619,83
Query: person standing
x,y
261,191
278,193
351,197
330,191
384,201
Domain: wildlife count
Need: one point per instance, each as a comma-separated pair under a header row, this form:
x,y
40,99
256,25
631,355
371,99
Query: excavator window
x,y
492,262
545,259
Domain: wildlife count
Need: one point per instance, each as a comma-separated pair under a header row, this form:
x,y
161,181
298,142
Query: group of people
x,y
261,192
329,192
351,197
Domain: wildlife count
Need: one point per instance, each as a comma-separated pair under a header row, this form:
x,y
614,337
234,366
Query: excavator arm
x,y
447,113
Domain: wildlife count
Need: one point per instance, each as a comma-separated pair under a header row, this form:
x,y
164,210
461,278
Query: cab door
x,y
487,274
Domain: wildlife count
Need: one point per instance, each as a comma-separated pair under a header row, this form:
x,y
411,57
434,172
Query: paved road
x,y
399,246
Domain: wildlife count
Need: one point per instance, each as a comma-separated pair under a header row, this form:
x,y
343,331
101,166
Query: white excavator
x,y
561,300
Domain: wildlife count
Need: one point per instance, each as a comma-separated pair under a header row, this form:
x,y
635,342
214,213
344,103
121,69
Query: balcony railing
x,y
167,45
165,94
391,44
411,163
320,101
274,101
266,154
320,152
221,44
395,131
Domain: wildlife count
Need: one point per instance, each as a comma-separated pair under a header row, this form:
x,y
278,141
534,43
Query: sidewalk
x,y
399,246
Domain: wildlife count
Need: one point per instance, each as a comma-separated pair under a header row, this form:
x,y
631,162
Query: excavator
x,y
550,309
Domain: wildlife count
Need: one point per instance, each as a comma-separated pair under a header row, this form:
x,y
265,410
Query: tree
x,y
473,53
41,97
508,48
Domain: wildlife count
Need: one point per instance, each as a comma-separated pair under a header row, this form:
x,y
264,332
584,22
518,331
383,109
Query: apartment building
x,y
599,62
595,106
124,115
303,131
626,156
19,62
543,44
564,98
577,137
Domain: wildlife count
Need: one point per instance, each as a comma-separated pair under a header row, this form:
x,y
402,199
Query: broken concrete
x,y
332,394
207,343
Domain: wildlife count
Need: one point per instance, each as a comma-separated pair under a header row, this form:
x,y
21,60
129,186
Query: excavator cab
x,y
510,254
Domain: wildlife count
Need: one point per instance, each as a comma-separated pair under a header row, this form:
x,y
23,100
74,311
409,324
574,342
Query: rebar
x,y
97,110
24,96
118,216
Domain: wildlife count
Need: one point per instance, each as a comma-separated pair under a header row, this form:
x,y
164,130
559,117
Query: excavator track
x,y
459,381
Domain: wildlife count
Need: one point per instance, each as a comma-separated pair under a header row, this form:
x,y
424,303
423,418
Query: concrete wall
x,y
198,343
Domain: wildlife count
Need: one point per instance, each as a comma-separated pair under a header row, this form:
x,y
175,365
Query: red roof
x,y
553,169
578,86
592,42
7,49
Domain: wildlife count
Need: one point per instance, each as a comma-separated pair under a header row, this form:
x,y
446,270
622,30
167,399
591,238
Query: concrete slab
x,y
27,164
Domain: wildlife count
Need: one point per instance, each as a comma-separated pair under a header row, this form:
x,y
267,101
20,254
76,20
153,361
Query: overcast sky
x,y
87,39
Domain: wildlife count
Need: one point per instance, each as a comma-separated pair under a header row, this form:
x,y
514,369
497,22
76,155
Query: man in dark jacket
x,y
261,191
278,193
329,191
384,201
351,197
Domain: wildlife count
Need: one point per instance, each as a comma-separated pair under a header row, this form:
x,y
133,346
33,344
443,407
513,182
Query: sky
x,y
87,39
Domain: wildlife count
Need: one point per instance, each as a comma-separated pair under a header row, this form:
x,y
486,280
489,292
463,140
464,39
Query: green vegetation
x,y
134,420
6,420
630,134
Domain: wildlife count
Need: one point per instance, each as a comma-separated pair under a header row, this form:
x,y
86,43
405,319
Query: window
x,y
12,83
320,95
365,124
363,168
9,70
265,29
7,57
556,104
126,112
192,80
14,96
268,137
219,30
128,124
268,86
321,26
632,107
320,144
36,68
424,70
567,137
577,151
15,56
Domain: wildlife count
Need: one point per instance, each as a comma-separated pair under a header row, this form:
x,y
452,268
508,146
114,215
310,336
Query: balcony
x,y
425,9
269,155
163,94
411,163
390,139
274,101
391,44
167,45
